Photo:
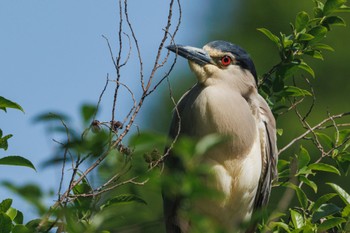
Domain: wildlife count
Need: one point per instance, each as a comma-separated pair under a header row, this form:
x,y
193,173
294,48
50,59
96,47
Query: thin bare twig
x,y
65,197
136,43
318,126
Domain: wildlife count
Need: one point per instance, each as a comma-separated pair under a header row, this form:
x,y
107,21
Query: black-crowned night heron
x,y
226,101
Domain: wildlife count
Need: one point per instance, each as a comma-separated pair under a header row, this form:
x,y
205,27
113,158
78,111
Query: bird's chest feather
x,y
236,164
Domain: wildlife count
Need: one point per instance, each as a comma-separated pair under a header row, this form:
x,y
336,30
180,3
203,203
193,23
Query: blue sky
x,y
53,58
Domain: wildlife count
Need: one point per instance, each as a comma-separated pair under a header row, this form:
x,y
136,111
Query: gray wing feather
x,y
269,155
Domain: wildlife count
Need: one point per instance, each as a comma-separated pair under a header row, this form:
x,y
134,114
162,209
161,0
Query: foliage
x,y
11,219
105,176
297,172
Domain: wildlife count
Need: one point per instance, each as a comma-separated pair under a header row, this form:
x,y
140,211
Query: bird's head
x,y
220,62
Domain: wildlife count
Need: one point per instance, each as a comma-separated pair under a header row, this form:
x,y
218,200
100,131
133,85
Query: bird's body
x,y
225,101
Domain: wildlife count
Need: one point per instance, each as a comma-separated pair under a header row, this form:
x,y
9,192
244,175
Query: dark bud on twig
x,y
95,126
115,125
124,149
152,157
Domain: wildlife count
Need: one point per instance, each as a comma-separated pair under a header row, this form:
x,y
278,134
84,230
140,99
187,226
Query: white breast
x,y
235,165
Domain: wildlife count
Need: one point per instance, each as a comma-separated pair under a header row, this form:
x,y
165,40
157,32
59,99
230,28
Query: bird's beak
x,y
199,56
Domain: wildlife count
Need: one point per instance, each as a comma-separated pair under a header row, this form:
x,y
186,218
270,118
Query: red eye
x,y
226,60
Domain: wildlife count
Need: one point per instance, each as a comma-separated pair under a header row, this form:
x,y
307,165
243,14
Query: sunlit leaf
x,y
5,103
279,132
324,167
270,35
341,192
346,211
297,219
15,160
307,68
308,182
11,212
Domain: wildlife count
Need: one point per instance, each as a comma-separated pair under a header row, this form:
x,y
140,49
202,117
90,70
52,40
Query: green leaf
x,y
308,182
5,103
5,223
88,111
318,13
3,141
346,211
330,223
332,5
325,210
334,20
323,167
307,68
208,142
341,192
322,200
19,217
343,9
270,35
296,91
325,139
305,37
315,54
5,205
297,219
279,132
51,117
303,158
319,32
82,188
124,199
15,160
301,195
280,225
146,142
343,134
322,46
11,212
19,228
301,21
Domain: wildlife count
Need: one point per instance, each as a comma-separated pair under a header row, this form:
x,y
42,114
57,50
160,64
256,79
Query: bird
x,y
225,101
